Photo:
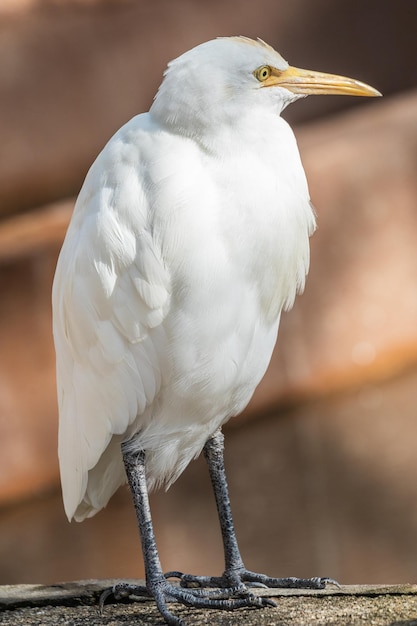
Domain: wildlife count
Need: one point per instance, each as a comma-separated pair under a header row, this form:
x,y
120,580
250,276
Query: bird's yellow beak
x,y
310,82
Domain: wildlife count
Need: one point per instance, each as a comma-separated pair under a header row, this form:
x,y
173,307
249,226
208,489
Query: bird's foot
x,y
244,578
291,582
225,598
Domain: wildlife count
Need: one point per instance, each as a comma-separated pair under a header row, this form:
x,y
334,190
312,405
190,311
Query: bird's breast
x,y
265,222
237,249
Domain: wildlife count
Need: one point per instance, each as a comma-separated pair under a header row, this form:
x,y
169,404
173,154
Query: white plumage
x,y
188,238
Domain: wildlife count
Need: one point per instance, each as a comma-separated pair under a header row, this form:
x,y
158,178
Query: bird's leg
x,y
235,574
157,585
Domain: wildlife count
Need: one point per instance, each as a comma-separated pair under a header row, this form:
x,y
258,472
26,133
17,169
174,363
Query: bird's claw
x,y
122,591
331,581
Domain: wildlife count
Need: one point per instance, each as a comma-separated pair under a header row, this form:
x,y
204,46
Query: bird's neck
x,y
216,130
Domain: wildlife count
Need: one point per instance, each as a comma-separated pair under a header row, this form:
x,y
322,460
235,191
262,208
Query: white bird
x,y
189,237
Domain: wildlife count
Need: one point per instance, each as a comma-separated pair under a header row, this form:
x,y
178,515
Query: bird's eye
x,y
262,73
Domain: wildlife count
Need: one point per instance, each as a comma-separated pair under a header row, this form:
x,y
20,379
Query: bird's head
x,y
217,81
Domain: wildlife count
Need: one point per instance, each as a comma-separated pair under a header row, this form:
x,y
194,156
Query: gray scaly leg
x,y
235,575
157,585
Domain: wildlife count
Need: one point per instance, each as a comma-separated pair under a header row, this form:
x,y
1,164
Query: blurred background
x,y
323,464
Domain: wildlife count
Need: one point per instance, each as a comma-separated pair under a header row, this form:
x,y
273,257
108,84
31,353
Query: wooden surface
x,y
76,603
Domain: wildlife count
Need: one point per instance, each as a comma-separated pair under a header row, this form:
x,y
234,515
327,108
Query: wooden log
x,y
379,605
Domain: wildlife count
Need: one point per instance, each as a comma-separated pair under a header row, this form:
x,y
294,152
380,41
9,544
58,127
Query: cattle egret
x,y
189,237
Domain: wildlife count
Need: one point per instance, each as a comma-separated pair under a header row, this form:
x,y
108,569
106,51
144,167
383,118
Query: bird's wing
x,y
111,293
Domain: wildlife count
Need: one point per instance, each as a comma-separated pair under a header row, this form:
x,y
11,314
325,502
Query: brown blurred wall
x,y
71,72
